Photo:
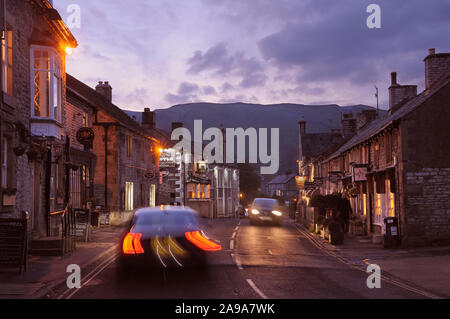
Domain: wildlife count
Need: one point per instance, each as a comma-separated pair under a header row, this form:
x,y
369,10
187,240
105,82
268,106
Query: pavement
x,y
46,273
426,268
256,262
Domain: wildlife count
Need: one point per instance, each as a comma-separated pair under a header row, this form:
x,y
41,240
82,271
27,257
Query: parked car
x,y
167,236
265,210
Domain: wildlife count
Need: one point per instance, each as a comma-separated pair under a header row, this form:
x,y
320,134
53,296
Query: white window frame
x,y
55,58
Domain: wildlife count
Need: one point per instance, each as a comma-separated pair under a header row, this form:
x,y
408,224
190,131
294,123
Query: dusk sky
x,y
164,52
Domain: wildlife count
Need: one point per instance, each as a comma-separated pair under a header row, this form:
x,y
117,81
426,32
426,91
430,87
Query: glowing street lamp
x,y
68,50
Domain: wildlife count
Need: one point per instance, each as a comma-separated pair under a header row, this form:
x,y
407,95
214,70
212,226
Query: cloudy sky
x,y
160,53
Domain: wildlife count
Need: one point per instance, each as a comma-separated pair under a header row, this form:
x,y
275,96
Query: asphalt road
x,y
256,262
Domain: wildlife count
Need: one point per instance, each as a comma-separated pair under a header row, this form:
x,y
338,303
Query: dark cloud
x,y
220,62
340,46
209,90
186,88
226,87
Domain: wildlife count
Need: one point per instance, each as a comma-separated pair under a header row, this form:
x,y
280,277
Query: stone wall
x,y
428,206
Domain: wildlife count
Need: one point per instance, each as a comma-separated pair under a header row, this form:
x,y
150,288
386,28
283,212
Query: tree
x,y
249,183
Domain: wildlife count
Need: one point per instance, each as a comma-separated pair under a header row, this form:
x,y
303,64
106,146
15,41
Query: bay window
x,y
46,83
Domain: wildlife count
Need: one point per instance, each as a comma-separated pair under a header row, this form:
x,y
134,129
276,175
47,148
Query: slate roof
x,y
314,144
98,101
380,124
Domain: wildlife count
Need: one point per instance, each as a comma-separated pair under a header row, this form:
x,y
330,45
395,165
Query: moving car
x,y
265,210
166,236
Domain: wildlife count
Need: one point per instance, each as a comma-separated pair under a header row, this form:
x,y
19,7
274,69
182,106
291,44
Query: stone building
x,y
283,186
399,164
126,173
33,112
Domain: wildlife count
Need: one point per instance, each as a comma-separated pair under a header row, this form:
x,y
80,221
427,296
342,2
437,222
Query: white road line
x,y
238,264
259,292
94,273
232,244
236,228
270,252
234,235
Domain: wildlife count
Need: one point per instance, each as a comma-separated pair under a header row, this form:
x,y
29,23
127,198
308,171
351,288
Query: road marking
x,y
259,292
234,235
385,278
236,228
232,244
94,273
238,264
270,252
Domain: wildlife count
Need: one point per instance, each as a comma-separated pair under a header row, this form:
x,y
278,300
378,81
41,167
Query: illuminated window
x,y
378,205
7,62
85,120
152,202
129,196
129,145
391,199
364,204
46,89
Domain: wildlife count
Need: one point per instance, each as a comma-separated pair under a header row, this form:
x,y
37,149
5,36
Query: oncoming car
x,y
166,236
265,210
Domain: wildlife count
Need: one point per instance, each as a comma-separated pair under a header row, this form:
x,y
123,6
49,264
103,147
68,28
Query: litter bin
x,y
392,236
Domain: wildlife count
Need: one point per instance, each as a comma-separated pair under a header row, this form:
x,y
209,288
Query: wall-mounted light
x,y
68,50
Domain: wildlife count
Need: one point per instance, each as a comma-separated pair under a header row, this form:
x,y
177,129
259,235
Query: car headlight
x,y
277,213
255,211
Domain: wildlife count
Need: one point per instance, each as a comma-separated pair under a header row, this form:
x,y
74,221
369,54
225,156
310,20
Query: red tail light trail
x,y
132,244
201,242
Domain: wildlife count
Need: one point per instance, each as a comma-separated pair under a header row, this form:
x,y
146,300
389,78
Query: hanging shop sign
x,y
300,181
359,173
85,136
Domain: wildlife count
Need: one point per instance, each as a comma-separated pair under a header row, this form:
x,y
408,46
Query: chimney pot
x,y
432,51
394,78
104,89
147,109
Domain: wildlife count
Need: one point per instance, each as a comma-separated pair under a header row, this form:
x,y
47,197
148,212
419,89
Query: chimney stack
x,y
302,126
436,66
348,125
364,118
398,94
148,119
104,89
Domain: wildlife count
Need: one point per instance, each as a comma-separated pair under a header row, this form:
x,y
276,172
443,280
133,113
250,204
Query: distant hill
x,y
319,118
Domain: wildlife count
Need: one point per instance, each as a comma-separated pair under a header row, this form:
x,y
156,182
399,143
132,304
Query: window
x,y
152,200
388,141
85,120
391,199
129,145
4,162
129,196
46,86
377,155
7,62
364,204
